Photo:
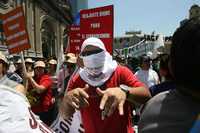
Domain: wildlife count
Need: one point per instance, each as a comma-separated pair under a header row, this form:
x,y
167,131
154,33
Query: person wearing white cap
x,y
67,70
52,72
29,60
4,80
29,64
102,90
29,67
19,70
17,74
52,67
40,88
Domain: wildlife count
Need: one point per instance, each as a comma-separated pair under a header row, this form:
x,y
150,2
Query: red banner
x,y
15,31
98,22
74,39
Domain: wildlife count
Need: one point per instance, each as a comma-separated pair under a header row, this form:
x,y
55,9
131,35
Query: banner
x,y
71,125
15,31
74,39
98,22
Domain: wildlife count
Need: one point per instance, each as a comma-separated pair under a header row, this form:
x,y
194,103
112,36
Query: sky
x,y
161,16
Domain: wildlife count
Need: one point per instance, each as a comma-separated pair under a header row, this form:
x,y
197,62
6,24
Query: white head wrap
x,y
104,58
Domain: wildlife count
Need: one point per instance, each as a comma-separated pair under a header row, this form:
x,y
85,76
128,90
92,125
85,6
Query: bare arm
x,y
138,91
20,88
65,110
139,95
74,99
39,88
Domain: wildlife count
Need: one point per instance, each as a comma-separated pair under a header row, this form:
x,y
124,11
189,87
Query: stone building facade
x,y
47,23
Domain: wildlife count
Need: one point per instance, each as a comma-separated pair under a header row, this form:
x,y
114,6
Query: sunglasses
x,y
87,53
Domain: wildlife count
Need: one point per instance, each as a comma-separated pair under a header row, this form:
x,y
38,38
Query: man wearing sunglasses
x,y
100,89
147,75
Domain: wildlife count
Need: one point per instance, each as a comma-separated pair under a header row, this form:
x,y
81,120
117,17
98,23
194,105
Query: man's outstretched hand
x,y
112,98
78,98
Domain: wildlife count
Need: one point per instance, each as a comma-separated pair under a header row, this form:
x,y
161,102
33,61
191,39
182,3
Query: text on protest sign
x,y
15,31
98,22
74,39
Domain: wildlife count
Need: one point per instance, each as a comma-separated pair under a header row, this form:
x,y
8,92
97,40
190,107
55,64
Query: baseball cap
x,y
39,64
53,62
29,60
70,58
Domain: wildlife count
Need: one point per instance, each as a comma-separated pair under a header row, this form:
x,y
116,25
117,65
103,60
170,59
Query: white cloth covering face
x,y
103,59
94,60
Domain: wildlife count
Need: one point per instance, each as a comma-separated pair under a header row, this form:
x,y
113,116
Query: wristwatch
x,y
125,89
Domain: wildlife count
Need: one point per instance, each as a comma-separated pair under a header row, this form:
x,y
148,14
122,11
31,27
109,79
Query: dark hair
x,y
145,58
164,59
164,64
185,54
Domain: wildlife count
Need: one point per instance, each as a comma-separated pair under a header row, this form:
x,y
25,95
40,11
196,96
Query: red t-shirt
x,y
45,98
91,115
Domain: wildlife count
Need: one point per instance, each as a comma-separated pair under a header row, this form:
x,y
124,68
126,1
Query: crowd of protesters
x,y
104,90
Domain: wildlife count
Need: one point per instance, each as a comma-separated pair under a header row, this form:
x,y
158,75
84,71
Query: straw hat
x,y
53,62
3,57
39,64
29,60
70,58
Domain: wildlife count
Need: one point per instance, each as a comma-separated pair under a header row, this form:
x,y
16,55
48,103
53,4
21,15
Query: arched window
x,y
48,39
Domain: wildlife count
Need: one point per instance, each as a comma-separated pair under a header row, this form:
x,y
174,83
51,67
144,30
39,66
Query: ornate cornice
x,y
57,9
4,5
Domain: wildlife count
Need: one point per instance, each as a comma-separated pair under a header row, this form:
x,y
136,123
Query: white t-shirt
x,y
16,115
148,77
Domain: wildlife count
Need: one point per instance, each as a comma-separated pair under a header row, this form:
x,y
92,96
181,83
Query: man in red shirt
x,y
100,89
40,90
